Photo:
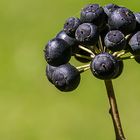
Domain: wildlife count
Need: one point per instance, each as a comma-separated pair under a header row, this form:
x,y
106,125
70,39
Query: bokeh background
x,y
30,107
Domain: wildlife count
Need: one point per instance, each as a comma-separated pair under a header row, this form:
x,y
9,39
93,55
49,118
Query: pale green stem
x,y
83,56
87,50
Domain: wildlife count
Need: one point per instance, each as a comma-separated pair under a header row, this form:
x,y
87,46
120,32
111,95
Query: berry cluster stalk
x,y
114,111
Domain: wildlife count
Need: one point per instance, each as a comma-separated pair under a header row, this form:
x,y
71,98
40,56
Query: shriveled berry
x,y
71,25
87,34
122,19
115,40
109,8
104,66
66,77
93,13
134,43
73,43
57,52
49,71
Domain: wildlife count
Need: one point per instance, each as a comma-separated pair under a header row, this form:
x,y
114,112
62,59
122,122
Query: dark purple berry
x,y
109,8
87,34
115,40
122,19
66,77
49,71
134,43
93,13
71,41
71,25
57,52
104,66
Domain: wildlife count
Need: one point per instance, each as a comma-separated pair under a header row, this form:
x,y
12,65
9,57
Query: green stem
x,y
127,57
114,111
83,68
87,50
83,56
100,44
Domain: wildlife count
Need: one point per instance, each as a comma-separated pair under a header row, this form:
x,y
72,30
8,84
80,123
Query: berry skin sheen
x,y
57,52
87,34
122,19
93,13
104,66
71,25
115,40
71,41
66,77
49,71
109,8
134,43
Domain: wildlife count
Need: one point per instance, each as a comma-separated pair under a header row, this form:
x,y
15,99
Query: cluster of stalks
x,y
121,55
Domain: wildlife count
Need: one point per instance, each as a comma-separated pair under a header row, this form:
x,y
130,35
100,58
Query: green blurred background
x,y
30,107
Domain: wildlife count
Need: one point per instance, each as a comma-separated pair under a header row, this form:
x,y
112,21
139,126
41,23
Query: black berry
x,y
93,13
49,71
87,34
115,40
122,19
66,77
134,43
71,25
70,40
57,52
109,8
104,66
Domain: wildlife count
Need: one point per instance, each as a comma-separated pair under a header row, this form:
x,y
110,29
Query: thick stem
x,y
114,111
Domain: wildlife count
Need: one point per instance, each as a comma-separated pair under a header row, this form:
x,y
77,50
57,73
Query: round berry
x,y
122,19
93,13
104,66
134,43
49,71
87,34
66,77
70,40
57,52
109,8
71,25
115,40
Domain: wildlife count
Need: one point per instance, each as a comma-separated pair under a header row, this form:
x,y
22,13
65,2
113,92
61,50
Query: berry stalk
x,y
114,111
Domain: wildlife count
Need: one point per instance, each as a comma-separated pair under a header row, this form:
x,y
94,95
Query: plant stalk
x,y
114,111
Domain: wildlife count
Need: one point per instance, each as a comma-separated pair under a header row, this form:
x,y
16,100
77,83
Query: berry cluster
x,y
102,37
